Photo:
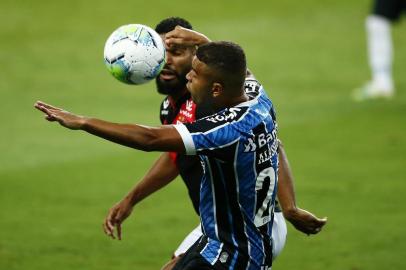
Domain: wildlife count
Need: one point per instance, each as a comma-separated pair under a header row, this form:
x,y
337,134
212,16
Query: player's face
x,y
200,82
172,78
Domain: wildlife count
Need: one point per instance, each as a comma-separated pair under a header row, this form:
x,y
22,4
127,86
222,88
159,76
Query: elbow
x,y
149,147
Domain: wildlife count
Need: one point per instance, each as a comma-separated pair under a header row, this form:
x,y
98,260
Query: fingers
x,y
108,225
180,36
170,37
171,41
317,225
49,110
41,108
109,228
119,231
112,221
45,105
50,118
175,32
322,221
316,230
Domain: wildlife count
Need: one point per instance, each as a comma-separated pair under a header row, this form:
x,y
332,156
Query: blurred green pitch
x,y
57,185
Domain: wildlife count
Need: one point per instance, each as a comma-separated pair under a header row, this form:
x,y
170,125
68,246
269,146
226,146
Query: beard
x,y
171,86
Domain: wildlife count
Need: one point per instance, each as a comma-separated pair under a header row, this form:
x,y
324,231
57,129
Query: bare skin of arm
x,y
163,138
162,172
301,219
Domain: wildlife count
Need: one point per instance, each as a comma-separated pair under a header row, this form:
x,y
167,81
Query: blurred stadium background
x,y
56,185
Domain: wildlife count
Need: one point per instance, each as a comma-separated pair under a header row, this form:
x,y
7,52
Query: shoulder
x,y
218,120
165,104
164,110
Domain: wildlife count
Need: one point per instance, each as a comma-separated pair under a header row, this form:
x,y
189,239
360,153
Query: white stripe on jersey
x,y
186,138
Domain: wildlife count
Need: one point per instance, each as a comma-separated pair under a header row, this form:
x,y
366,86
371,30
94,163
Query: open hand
x,y
64,118
184,37
116,216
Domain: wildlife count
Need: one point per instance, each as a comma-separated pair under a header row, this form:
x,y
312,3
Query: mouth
x,y
167,75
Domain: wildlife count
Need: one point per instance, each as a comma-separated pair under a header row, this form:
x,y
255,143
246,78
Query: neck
x,y
230,102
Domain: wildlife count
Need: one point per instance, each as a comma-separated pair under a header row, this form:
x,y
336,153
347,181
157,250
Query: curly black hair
x,y
170,23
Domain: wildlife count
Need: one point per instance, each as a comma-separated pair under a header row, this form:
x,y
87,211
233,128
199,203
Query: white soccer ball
x,y
134,54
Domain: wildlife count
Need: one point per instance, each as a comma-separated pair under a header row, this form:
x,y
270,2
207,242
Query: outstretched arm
x,y
301,219
163,138
161,173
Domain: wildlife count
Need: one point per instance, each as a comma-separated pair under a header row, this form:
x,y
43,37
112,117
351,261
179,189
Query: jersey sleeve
x,y
187,139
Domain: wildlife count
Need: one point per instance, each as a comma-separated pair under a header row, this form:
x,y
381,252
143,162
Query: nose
x,y
168,58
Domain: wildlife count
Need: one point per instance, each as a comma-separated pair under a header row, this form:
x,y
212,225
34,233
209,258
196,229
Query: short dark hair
x,y
168,24
226,58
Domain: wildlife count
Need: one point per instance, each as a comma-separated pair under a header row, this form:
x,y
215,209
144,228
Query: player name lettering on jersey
x,y
268,153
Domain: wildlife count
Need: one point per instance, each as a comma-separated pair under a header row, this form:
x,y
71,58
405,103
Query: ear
x,y
216,89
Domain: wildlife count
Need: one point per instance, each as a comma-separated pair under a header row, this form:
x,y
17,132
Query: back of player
x,y
239,149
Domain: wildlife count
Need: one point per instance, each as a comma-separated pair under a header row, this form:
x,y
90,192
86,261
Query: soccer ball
x,y
134,54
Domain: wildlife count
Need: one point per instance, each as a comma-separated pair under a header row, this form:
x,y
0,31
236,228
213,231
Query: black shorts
x,y
192,260
391,9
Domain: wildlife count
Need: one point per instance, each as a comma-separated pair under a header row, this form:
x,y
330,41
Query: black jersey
x,y
190,168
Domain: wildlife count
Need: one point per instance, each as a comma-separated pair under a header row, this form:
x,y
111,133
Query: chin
x,y
188,86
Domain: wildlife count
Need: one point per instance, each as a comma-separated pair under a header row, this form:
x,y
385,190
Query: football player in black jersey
x,y
178,107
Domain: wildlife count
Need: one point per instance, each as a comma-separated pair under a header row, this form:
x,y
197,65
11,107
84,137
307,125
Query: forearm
x,y
161,173
286,190
131,135
301,219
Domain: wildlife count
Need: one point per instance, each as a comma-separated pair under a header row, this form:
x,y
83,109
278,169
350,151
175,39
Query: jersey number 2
x,y
264,188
